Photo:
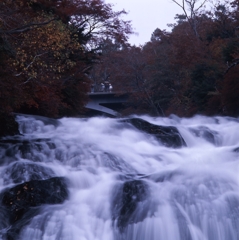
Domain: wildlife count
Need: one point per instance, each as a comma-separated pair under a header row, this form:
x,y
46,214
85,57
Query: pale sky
x,y
146,16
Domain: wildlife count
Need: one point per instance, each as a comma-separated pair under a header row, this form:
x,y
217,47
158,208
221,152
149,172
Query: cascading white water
x,y
186,193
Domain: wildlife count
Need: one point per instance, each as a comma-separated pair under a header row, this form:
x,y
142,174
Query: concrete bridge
x,y
106,102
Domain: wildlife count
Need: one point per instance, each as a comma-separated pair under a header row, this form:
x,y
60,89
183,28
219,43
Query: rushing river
x,y
124,183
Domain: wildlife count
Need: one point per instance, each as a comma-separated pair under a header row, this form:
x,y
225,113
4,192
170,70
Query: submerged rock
x,y
36,150
116,164
167,135
20,172
207,134
236,150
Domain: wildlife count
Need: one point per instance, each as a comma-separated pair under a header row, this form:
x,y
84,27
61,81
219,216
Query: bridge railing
x,y
102,87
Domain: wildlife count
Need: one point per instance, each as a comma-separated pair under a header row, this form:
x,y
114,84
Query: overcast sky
x,y
146,16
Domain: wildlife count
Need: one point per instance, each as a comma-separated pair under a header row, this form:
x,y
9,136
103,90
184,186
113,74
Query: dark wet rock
x,y
236,150
207,134
8,125
131,203
19,172
167,135
20,199
13,232
19,204
4,223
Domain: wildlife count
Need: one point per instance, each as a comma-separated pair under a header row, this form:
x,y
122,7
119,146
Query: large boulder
x,y
169,136
20,199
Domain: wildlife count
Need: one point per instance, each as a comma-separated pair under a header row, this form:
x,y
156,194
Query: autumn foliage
x,y
52,51
47,48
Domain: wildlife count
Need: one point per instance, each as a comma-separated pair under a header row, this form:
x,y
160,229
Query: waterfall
x,y
135,178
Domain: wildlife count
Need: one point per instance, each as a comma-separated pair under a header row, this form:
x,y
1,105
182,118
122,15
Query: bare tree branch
x,y
203,3
26,81
193,12
181,6
235,63
19,74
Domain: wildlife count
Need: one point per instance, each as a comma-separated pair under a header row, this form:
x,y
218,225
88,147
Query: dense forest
x,y
47,49
52,51
192,69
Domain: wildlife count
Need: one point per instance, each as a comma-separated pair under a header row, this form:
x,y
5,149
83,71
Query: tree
x,y
191,14
44,54
96,19
41,54
230,93
160,70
